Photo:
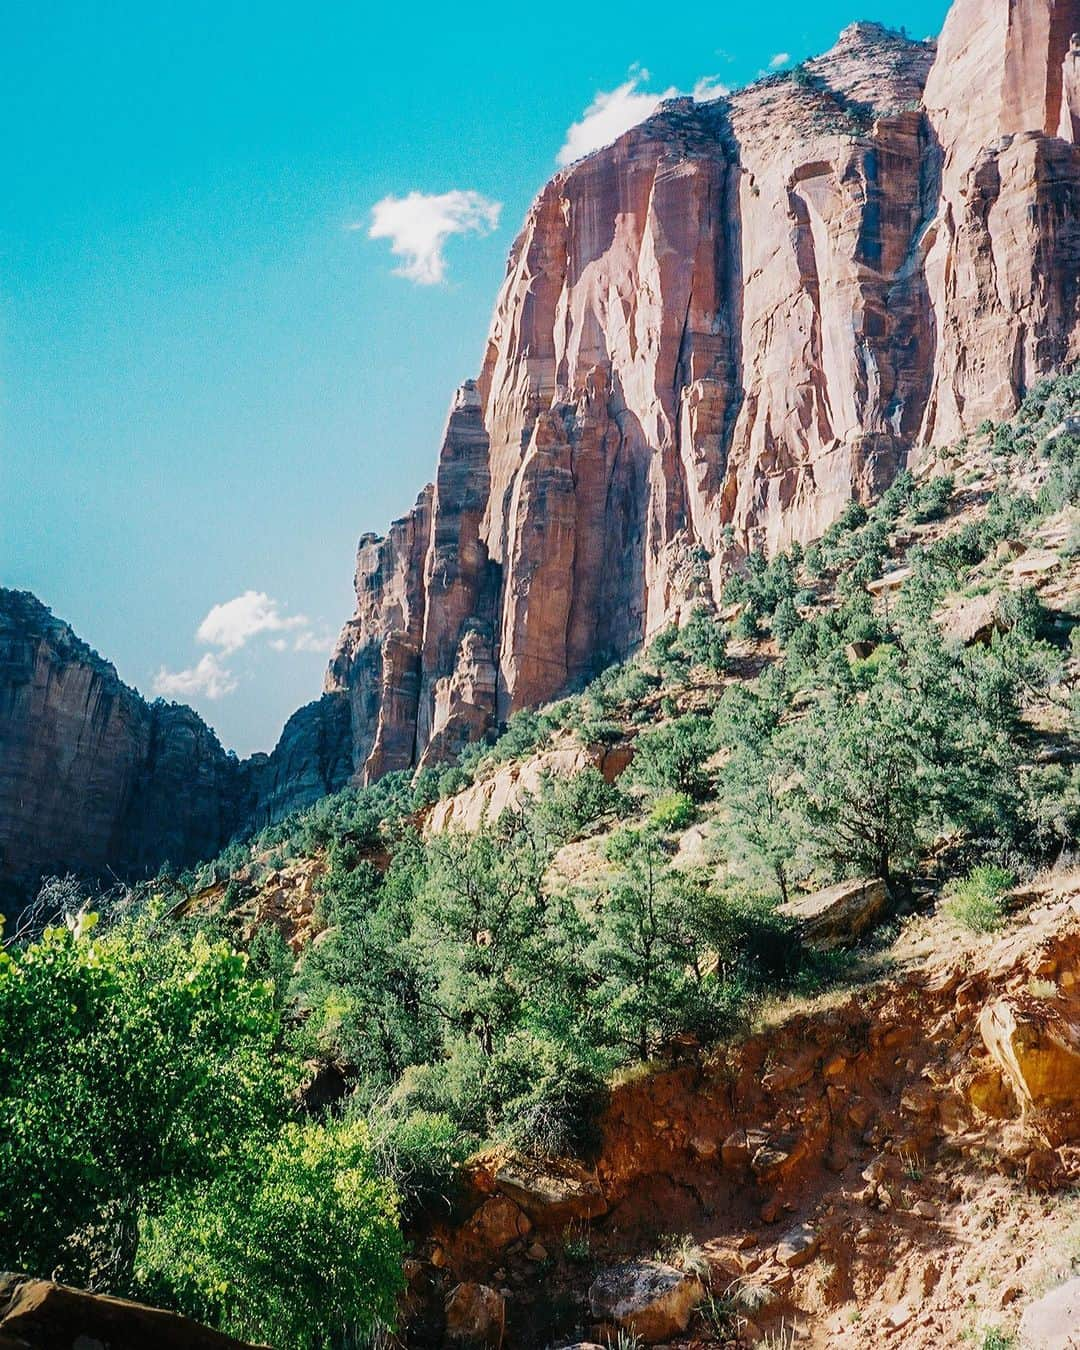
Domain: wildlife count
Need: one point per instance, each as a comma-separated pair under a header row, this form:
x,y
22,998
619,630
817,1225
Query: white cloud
x,y
209,678
310,641
779,60
615,111
710,87
610,114
419,225
230,625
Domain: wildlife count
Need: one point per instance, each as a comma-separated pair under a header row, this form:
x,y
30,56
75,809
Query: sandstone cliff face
x,y
94,779
711,336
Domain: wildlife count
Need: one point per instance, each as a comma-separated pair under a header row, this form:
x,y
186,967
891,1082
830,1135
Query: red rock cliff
x,y
711,336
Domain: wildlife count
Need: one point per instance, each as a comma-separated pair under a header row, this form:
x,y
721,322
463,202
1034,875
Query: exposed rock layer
x,y
94,779
711,336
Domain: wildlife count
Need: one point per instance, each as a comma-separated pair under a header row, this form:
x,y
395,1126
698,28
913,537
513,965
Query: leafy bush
x,y
131,1067
299,1246
704,640
567,806
422,1153
672,811
932,499
975,902
672,757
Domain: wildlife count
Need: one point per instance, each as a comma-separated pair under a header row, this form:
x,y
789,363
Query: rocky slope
x,y
711,336
895,1167
94,779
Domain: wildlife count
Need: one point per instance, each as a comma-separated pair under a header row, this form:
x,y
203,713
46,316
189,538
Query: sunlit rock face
x,y
711,336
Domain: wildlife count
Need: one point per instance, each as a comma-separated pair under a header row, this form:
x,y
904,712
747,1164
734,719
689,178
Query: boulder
x,y
41,1315
798,1246
498,1222
1037,1050
891,581
839,914
549,1192
475,1315
1053,1321
649,1299
972,620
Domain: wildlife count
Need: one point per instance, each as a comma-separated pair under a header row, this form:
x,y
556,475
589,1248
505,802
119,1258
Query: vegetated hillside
x,y
598,951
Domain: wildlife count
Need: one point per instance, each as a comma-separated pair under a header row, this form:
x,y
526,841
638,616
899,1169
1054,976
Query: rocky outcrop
x,y
510,784
648,1299
840,914
711,336
475,1315
40,1315
95,780
1053,1321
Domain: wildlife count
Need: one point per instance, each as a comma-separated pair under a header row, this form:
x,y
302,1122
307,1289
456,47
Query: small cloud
x,y
610,114
309,641
710,87
419,225
779,60
231,624
278,645
209,678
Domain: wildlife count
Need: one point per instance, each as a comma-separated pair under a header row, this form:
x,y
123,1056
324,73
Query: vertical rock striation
x,y
95,780
711,336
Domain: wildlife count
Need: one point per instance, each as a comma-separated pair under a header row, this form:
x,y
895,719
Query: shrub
x,y
746,627
130,1069
672,757
704,640
975,902
785,621
570,805
672,811
932,499
422,1154
300,1247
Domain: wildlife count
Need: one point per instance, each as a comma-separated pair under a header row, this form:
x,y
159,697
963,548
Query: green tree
x,y
129,1067
647,955
672,757
299,1245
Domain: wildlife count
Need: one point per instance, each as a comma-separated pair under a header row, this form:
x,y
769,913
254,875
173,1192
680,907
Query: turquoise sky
x,y
211,385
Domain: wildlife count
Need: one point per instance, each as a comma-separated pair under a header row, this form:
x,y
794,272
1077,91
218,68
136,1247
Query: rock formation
x,y
711,336
40,1315
94,779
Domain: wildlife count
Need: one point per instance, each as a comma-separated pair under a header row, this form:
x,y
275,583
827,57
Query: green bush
x,y
673,811
567,806
704,640
132,1066
299,1247
975,902
422,1153
672,757
932,499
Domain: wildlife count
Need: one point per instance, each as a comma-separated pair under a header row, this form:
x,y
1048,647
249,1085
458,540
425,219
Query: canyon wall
x,y
95,780
712,335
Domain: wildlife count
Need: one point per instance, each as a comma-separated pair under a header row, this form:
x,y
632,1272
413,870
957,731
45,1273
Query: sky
x,y
247,253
